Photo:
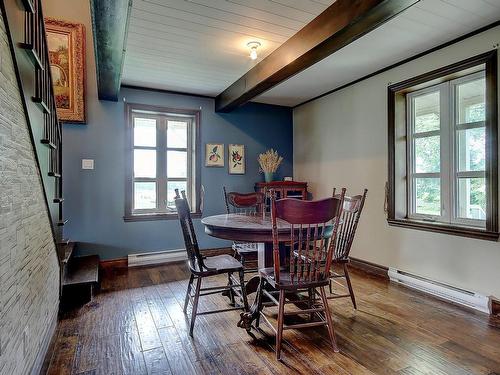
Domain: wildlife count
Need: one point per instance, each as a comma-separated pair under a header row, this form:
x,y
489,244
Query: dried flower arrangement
x,y
269,161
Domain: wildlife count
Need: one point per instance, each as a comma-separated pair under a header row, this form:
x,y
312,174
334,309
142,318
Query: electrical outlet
x,y
87,163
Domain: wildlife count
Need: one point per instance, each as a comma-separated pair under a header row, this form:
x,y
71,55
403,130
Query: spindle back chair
x,y
245,204
202,267
309,263
353,206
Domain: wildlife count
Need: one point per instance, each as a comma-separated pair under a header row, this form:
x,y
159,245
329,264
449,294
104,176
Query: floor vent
x,y
158,257
447,292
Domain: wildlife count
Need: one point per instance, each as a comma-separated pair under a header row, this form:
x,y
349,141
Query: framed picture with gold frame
x,y
236,159
214,155
66,43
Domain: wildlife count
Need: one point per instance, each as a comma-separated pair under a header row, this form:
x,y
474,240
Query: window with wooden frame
x,y
443,150
162,155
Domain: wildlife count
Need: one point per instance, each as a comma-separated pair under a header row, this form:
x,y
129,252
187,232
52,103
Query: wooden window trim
x,y
489,59
129,216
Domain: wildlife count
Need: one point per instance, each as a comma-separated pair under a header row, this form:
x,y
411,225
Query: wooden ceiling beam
x,y
339,25
110,20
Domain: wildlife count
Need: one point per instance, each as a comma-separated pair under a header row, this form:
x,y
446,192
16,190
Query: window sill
x,y
455,230
154,217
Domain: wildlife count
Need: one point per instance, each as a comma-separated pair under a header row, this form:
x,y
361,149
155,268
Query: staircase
x,y
26,30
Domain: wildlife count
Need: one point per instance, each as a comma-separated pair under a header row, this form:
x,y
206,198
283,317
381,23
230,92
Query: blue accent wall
x,y
94,199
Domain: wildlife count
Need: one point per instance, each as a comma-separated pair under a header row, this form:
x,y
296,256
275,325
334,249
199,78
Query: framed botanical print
x,y
214,155
236,159
66,43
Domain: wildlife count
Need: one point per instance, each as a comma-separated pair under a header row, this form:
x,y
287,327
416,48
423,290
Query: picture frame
x,y
66,44
214,155
236,159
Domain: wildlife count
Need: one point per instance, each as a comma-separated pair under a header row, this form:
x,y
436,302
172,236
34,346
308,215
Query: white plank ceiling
x,y
199,46
425,25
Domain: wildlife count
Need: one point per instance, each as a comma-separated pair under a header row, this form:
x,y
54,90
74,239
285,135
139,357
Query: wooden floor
x,y
135,325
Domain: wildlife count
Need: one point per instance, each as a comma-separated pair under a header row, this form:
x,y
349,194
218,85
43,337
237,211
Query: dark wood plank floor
x,y
135,325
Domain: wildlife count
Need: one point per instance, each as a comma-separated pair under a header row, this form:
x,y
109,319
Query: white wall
x,y
341,140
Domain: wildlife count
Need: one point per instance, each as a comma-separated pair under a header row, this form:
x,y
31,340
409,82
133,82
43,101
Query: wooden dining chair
x,y
308,269
353,206
245,204
202,267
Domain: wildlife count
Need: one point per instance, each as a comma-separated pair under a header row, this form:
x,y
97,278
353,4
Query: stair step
x,y
82,270
28,6
48,143
65,250
32,54
41,104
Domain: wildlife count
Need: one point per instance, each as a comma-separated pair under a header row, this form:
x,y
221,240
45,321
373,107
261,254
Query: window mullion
x,y
161,157
446,153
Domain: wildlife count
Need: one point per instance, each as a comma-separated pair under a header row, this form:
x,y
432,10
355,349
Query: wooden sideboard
x,y
284,189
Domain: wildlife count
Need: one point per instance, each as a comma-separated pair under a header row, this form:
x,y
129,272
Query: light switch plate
x,y
87,163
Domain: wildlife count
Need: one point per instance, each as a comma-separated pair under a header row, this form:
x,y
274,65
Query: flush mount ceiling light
x,y
253,49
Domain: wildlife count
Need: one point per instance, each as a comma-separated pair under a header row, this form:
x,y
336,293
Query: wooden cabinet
x,y
284,189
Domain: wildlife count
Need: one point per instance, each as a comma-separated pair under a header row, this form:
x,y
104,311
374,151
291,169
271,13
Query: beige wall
x,y
341,140
29,272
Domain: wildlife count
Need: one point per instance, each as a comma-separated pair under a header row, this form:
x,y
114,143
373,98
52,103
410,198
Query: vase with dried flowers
x,y
269,162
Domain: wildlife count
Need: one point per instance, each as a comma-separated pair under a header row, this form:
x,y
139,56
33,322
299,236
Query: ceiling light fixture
x,y
253,49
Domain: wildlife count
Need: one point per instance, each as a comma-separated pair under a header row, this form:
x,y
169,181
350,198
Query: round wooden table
x,y
249,228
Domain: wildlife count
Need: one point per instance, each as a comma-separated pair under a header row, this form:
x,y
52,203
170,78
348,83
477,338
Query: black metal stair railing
x,y
36,46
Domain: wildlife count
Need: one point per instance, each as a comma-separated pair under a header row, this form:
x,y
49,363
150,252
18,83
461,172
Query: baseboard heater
x,y
158,257
460,296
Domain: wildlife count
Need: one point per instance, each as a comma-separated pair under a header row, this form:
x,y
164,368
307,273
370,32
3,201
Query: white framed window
x,y
443,150
162,157
447,151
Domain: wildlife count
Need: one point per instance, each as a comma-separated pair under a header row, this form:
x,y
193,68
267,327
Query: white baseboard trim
x,y
144,259
463,297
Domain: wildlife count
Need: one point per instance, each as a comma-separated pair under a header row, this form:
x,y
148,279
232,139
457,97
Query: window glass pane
x,y
428,196
144,195
471,149
426,112
144,132
427,154
145,163
471,103
171,186
177,134
177,164
472,198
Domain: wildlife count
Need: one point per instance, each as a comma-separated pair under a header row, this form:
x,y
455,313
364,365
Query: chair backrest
x,y
353,206
190,241
310,259
243,203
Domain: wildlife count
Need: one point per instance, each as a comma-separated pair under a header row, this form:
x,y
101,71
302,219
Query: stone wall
x,y
29,275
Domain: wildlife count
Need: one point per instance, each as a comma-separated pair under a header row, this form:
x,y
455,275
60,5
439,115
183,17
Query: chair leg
x,y
195,305
330,286
243,290
281,316
348,280
329,320
188,292
311,293
230,283
258,300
